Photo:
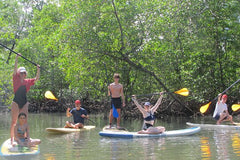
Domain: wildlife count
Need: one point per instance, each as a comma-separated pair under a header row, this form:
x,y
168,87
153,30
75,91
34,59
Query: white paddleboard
x,y
213,126
68,130
8,150
125,134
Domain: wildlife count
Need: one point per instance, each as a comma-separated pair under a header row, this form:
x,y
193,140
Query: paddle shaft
x,y
227,89
21,56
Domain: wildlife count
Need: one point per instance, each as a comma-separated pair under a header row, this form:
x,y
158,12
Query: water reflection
x,y
222,139
236,144
205,148
150,146
143,148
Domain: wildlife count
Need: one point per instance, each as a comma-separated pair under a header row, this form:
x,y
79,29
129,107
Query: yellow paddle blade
x,y
204,108
235,107
183,92
49,95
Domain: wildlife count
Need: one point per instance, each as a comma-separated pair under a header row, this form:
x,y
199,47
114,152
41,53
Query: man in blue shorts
x,y
78,114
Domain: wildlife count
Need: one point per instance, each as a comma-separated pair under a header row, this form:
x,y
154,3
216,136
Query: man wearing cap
x,y
21,86
221,111
78,114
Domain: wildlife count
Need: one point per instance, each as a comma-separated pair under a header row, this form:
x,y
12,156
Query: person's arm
x,y
155,107
85,115
122,95
109,92
137,104
68,114
27,132
38,73
16,64
219,98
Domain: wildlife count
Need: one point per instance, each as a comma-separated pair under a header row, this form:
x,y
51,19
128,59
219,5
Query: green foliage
x,y
193,44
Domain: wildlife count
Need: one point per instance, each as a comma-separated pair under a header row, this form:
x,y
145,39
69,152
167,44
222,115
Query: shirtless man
x,y
115,90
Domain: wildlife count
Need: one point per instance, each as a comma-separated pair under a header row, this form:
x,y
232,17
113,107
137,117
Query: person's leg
x,y
110,118
222,116
119,117
34,142
14,113
79,125
69,125
25,110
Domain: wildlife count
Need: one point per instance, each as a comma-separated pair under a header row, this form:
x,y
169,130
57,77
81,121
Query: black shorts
x,y
146,126
117,102
218,116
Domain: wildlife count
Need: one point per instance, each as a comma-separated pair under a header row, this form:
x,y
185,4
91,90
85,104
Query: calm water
x,y
208,144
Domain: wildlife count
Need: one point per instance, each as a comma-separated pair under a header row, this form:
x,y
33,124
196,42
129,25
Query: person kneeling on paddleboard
x,y
148,115
78,114
221,111
21,133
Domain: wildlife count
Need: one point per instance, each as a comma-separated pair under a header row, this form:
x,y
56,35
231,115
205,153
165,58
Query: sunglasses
x,y
23,73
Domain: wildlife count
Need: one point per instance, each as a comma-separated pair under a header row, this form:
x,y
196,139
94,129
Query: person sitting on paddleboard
x,y
78,114
21,86
148,115
21,132
221,111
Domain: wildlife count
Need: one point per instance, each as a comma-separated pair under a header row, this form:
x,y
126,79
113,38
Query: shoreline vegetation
x,y
154,45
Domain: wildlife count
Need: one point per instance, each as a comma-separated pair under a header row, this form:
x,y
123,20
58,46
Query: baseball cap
x,y
224,96
22,69
77,102
147,104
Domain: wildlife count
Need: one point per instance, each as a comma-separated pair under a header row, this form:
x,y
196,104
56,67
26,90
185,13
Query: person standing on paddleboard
x,y
148,115
115,90
21,86
78,114
221,111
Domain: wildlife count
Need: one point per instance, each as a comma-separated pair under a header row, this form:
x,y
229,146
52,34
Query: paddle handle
x,y
22,56
227,88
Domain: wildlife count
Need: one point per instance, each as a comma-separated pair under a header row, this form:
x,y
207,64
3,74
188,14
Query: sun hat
x,y
22,69
147,104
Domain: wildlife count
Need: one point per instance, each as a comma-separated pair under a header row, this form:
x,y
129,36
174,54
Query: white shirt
x,y
220,107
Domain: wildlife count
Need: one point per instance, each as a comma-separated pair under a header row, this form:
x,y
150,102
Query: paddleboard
x,y
68,130
213,126
125,134
8,150
114,128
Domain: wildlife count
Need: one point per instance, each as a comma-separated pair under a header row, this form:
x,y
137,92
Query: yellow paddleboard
x,y
68,130
8,150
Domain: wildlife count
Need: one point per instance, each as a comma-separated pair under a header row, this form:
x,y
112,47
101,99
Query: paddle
x,y
182,92
235,107
49,95
22,56
114,110
205,107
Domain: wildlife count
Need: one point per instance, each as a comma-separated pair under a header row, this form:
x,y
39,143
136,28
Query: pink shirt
x,y
17,82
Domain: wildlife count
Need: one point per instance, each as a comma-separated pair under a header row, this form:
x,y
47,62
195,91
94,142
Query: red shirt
x,y
17,82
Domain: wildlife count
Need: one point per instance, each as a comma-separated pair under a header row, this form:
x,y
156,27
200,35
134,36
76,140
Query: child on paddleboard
x,y
148,115
78,114
21,133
